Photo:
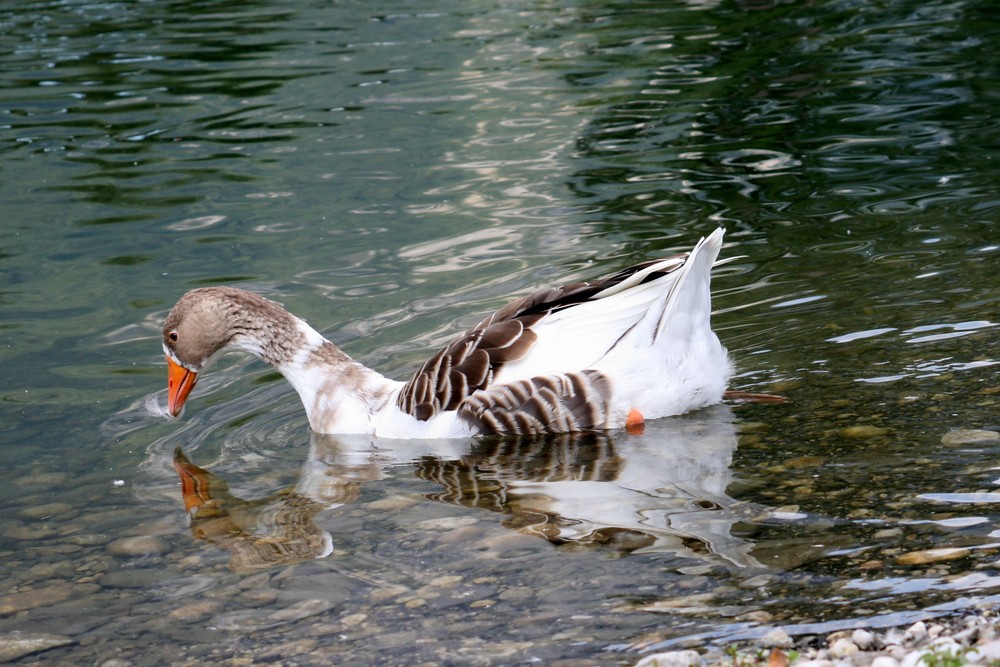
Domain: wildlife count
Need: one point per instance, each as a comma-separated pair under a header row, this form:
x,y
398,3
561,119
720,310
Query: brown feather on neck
x,y
208,319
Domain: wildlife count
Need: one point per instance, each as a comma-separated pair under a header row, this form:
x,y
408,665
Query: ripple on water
x,y
402,169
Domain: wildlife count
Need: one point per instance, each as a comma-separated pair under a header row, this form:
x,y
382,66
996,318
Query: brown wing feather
x,y
470,361
466,365
568,403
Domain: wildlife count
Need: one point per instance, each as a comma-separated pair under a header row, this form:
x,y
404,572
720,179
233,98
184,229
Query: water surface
x,y
391,171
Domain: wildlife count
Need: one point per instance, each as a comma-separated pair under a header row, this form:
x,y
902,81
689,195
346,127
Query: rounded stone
x,y
481,604
756,616
884,661
887,532
927,556
258,598
39,531
800,462
354,619
446,580
776,638
87,539
968,436
863,431
194,611
131,578
863,639
446,523
391,504
136,547
843,648
671,659
46,510
917,631
33,598
14,645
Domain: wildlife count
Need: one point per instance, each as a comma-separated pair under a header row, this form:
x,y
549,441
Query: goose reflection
x,y
276,530
661,491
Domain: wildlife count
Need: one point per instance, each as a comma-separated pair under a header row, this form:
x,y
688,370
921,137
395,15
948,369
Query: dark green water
x,y
391,171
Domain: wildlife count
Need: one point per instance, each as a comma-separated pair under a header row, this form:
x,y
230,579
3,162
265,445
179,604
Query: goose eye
x,y
172,336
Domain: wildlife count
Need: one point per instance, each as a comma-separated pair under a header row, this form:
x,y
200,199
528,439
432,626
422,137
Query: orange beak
x,y
180,382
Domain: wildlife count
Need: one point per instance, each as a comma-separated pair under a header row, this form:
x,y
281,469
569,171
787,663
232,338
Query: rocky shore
x,y
966,638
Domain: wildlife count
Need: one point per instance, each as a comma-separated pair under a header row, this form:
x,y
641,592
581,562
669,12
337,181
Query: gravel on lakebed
x,y
968,637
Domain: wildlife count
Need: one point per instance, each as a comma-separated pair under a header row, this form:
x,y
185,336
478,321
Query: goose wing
x,y
472,361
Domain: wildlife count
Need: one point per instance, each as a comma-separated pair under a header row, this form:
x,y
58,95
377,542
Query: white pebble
x,y
917,631
138,546
884,661
671,659
913,659
862,639
446,523
843,648
776,638
893,637
986,652
115,662
945,644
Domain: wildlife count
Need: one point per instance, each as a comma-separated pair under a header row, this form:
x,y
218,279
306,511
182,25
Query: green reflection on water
x,y
391,172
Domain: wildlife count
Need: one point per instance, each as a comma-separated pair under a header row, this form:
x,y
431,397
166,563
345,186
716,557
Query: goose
x,y
585,356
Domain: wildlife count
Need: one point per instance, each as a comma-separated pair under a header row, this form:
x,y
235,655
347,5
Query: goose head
x,y
206,321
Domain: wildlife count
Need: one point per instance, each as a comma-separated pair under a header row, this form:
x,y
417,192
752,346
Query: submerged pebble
x,y
131,578
354,619
863,431
30,532
15,645
135,547
926,556
45,511
195,611
38,597
446,523
970,436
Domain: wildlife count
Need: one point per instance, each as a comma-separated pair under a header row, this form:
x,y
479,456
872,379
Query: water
x,y
391,171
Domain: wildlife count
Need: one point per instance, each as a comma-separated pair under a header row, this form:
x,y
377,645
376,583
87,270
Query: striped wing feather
x,y
567,403
468,364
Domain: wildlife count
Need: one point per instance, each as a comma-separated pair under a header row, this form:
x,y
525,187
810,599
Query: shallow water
x,y
391,171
